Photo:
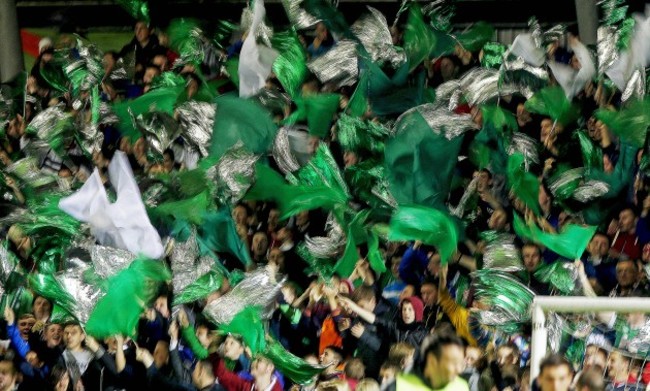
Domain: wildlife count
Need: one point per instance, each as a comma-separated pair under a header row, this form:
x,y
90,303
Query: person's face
x,y
240,215
329,357
274,218
161,354
302,218
626,274
442,371
557,378
472,355
141,32
505,356
260,244
394,266
42,308
232,348
408,313
139,148
531,257
4,158
598,129
599,246
523,116
447,69
108,62
547,129
626,220
73,337
617,365
276,257
350,158
7,377
387,375
344,288
161,305
53,335
429,294
25,326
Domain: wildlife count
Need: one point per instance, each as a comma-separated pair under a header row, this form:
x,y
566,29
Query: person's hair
x,y
363,292
338,351
632,261
367,384
510,345
57,374
603,234
400,351
354,369
433,344
43,297
10,366
73,323
591,379
334,385
554,360
531,244
430,281
629,207
26,316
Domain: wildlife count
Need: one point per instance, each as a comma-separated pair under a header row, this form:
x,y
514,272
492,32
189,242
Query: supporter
x,y
441,366
322,42
555,374
144,45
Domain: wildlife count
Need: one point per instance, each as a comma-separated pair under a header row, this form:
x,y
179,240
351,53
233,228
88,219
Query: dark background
x,y
72,15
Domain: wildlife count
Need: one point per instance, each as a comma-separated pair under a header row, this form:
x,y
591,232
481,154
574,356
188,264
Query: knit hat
x,y
418,307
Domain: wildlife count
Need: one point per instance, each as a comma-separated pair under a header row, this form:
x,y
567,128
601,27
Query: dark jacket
x,y
94,378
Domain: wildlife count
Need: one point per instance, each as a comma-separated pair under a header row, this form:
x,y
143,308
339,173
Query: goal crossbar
x,y
574,304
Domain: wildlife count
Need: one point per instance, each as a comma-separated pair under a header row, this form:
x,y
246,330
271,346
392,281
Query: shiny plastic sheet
x,y
502,254
372,30
338,66
108,261
283,154
298,17
196,120
236,172
258,289
591,190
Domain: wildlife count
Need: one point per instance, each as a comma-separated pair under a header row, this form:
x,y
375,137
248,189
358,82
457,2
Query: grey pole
x,y
587,12
11,54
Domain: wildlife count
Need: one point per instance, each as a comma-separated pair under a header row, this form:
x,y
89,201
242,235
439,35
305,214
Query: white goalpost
x,y
573,304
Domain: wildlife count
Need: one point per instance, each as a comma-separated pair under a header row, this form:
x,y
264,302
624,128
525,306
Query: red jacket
x,y
232,382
